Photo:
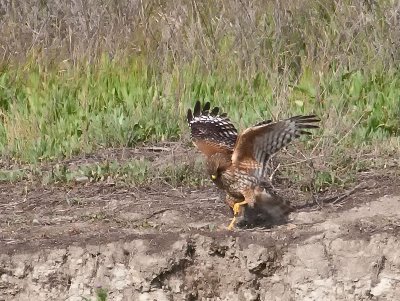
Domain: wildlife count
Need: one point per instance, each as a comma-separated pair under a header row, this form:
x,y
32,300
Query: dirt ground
x,y
64,242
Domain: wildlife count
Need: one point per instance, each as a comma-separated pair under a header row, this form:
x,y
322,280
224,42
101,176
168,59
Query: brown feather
x,y
258,143
210,132
210,148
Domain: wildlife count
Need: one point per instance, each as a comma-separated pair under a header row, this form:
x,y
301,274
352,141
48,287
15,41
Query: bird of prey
x,y
237,163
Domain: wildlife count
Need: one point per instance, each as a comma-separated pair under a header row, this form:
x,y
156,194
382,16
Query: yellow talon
x,y
230,227
236,210
236,207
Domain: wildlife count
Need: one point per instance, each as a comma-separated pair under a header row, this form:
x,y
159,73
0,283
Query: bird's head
x,y
217,164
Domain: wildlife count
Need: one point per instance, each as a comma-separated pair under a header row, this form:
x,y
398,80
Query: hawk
x,y
237,163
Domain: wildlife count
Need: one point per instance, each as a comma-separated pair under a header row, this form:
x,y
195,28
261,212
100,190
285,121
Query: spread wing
x,y
258,143
211,132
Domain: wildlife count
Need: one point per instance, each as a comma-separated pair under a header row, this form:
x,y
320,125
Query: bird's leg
x,y
248,200
236,210
236,207
230,227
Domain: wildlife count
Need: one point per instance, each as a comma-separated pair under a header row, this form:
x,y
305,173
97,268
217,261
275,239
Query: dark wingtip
x,y
302,132
263,122
303,121
189,115
214,111
309,126
197,109
314,119
304,116
310,118
206,107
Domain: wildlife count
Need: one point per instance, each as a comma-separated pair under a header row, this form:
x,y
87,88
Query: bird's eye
x,y
213,177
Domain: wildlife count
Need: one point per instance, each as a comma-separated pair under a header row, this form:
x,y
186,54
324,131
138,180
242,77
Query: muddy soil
x,y
65,242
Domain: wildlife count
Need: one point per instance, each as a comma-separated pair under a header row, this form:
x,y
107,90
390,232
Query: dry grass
x,y
79,75
259,36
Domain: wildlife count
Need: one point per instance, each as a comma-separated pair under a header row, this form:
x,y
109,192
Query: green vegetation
x,y
101,295
75,78
132,172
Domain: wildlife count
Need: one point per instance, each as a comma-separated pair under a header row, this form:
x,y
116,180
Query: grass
x,y
64,92
130,172
47,115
